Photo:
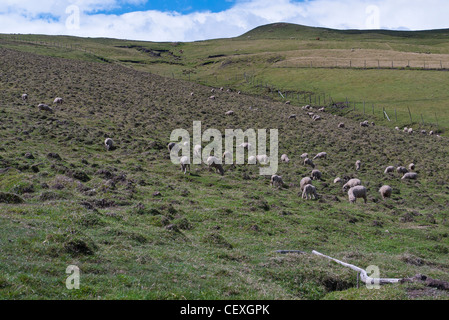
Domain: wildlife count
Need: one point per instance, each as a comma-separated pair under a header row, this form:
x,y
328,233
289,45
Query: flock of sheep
x,y
43,106
353,187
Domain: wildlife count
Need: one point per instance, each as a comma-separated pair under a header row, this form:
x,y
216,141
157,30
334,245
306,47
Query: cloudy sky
x,y
184,20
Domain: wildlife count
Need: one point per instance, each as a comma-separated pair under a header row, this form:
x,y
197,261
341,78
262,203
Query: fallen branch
x,y
363,274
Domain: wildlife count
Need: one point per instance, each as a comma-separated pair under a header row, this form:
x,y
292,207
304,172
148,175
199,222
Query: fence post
x,y
409,112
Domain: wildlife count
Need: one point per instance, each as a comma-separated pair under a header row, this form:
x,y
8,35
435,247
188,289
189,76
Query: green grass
x,y
206,236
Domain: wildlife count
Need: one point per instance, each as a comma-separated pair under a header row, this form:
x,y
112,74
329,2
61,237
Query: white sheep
x,y
411,166
316,118
276,181
58,100
44,107
364,124
304,155
321,155
246,145
410,131
405,129
197,150
410,176
309,192
263,159
401,169
304,181
292,116
431,133
396,128
171,145
24,97
389,169
229,113
185,163
284,158
227,155
109,144
316,174
358,164
214,162
252,160
357,192
337,180
351,183
341,125
309,162
385,191
212,97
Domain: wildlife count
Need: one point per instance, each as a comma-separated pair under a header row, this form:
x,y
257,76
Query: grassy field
x,y
341,64
140,229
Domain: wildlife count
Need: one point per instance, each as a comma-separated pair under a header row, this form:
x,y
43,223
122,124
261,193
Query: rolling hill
x,y
138,228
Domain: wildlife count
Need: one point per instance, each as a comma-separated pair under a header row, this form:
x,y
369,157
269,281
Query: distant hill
x,y
288,30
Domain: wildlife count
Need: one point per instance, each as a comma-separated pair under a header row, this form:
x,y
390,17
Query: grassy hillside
x,y
140,229
399,71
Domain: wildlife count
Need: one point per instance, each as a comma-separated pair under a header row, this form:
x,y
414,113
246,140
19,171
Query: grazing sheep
x,y
351,183
431,133
284,158
337,180
358,164
411,166
197,150
321,109
109,144
357,192
316,174
316,118
212,90
304,181
321,155
307,107
276,181
252,160
389,169
309,192
44,107
239,92
410,176
229,113
423,132
58,101
385,192
170,146
410,131
311,114
213,162
24,97
212,97
191,93
396,128
341,125
185,163
401,169
227,155
309,162
263,159
246,145
364,124
305,155
373,124
292,116
287,102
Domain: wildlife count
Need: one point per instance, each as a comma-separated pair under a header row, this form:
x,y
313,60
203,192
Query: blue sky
x,y
184,20
181,6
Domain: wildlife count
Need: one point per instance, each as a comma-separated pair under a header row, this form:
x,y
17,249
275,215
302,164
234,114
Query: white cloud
x,y
21,16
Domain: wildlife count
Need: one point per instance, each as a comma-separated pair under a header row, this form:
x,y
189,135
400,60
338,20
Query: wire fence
x,y
318,99
366,64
